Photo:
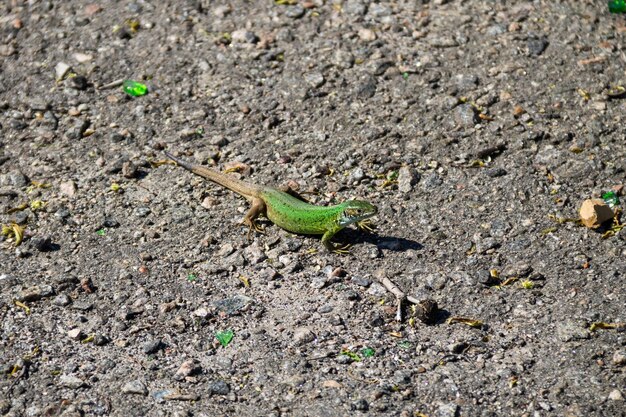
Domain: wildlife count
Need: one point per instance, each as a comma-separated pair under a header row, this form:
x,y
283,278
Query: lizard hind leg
x,y
257,208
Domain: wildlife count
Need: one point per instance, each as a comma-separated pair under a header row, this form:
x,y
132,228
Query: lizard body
x,y
285,210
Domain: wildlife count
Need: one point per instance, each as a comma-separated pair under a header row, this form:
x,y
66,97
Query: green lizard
x,y
287,211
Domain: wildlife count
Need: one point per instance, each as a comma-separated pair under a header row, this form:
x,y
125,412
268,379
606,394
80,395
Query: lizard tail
x,y
240,187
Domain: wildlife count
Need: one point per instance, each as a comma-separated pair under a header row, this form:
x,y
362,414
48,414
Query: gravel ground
x,y
471,124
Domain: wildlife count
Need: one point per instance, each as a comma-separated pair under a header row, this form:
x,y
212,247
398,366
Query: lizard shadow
x,y
391,243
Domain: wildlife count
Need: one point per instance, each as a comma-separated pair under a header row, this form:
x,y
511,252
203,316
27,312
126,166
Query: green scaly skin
x,y
287,211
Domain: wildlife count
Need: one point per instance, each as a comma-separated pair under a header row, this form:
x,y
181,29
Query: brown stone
x,y
594,212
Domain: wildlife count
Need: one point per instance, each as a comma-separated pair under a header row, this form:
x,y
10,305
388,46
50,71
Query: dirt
x,y
476,127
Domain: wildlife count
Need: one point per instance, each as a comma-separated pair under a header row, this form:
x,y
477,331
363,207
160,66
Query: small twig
x,y
112,84
397,292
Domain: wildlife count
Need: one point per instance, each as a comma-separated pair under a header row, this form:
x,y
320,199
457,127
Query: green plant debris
x,y
88,339
21,207
36,205
22,306
527,284
101,232
355,357
390,179
133,88
34,185
245,281
224,337
611,199
192,277
285,2
549,230
605,326
477,324
14,231
405,344
368,352
115,187
562,220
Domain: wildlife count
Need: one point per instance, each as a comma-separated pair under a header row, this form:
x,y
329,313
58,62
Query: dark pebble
x,y
41,243
536,46
110,222
152,346
361,405
219,388
79,82
495,172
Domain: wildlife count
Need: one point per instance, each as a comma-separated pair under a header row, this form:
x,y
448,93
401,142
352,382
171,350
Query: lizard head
x,y
355,211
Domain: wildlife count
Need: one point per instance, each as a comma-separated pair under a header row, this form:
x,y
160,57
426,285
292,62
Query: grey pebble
x,y
14,179
83,305
141,211
233,305
569,330
465,116
343,59
35,293
62,213
407,178
361,282
357,174
318,282
431,181
325,309
61,69
295,12
219,388
619,358
71,381
496,30
466,82
76,131
377,290
447,410
62,300
152,346
355,8
303,335
244,36
135,387
314,79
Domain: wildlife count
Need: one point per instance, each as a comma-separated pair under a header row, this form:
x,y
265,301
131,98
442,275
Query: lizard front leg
x,y
257,208
340,249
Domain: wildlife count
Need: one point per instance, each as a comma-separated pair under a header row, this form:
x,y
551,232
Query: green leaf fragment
x,y
224,337
367,352
611,199
101,232
133,88
354,356
191,277
405,344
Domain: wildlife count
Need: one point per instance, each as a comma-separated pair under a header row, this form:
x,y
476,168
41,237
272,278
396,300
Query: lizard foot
x,y
341,249
366,225
252,225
